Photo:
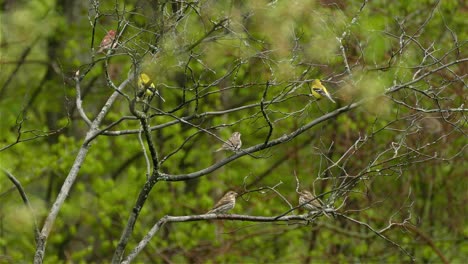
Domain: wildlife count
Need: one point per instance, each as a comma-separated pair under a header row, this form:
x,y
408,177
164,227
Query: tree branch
x,y
262,146
190,218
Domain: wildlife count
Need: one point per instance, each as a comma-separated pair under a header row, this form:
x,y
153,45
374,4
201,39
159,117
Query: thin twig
x,y
24,196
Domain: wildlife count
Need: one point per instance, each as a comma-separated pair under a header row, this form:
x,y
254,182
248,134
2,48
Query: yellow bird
x,y
146,87
318,90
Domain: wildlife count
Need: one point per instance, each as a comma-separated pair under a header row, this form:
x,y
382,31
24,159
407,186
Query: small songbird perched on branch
x,y
224,204
309,201
234,143
318,90
108,41
146,88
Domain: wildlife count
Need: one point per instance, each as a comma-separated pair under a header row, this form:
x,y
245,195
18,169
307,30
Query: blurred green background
x,y
406,147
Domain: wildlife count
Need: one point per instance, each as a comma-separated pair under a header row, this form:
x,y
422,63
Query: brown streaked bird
x,y
234,143
108,42
224,204
309,201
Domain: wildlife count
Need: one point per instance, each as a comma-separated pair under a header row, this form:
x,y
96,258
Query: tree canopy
x,y
119,119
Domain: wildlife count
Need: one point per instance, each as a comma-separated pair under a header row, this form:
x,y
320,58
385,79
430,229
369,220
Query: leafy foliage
x,y
389,155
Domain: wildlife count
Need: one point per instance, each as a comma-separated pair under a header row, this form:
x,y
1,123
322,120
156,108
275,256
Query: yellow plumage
x,y
318,90
146,87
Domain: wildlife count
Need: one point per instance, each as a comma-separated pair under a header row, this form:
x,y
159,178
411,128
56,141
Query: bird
x,y
318,90
429,125
234,143
311,203
146,87
108,42
308,201
224,204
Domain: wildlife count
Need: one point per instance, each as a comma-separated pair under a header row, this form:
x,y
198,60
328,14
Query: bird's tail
x,y
329,97
212,211
157,92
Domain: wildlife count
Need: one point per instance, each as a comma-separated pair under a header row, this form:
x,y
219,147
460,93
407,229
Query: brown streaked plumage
x,y
224,204
309,201
108,41
234,143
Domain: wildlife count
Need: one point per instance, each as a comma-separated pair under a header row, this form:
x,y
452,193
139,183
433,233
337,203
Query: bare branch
x,y
24,196
378,233
190,218
253,149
